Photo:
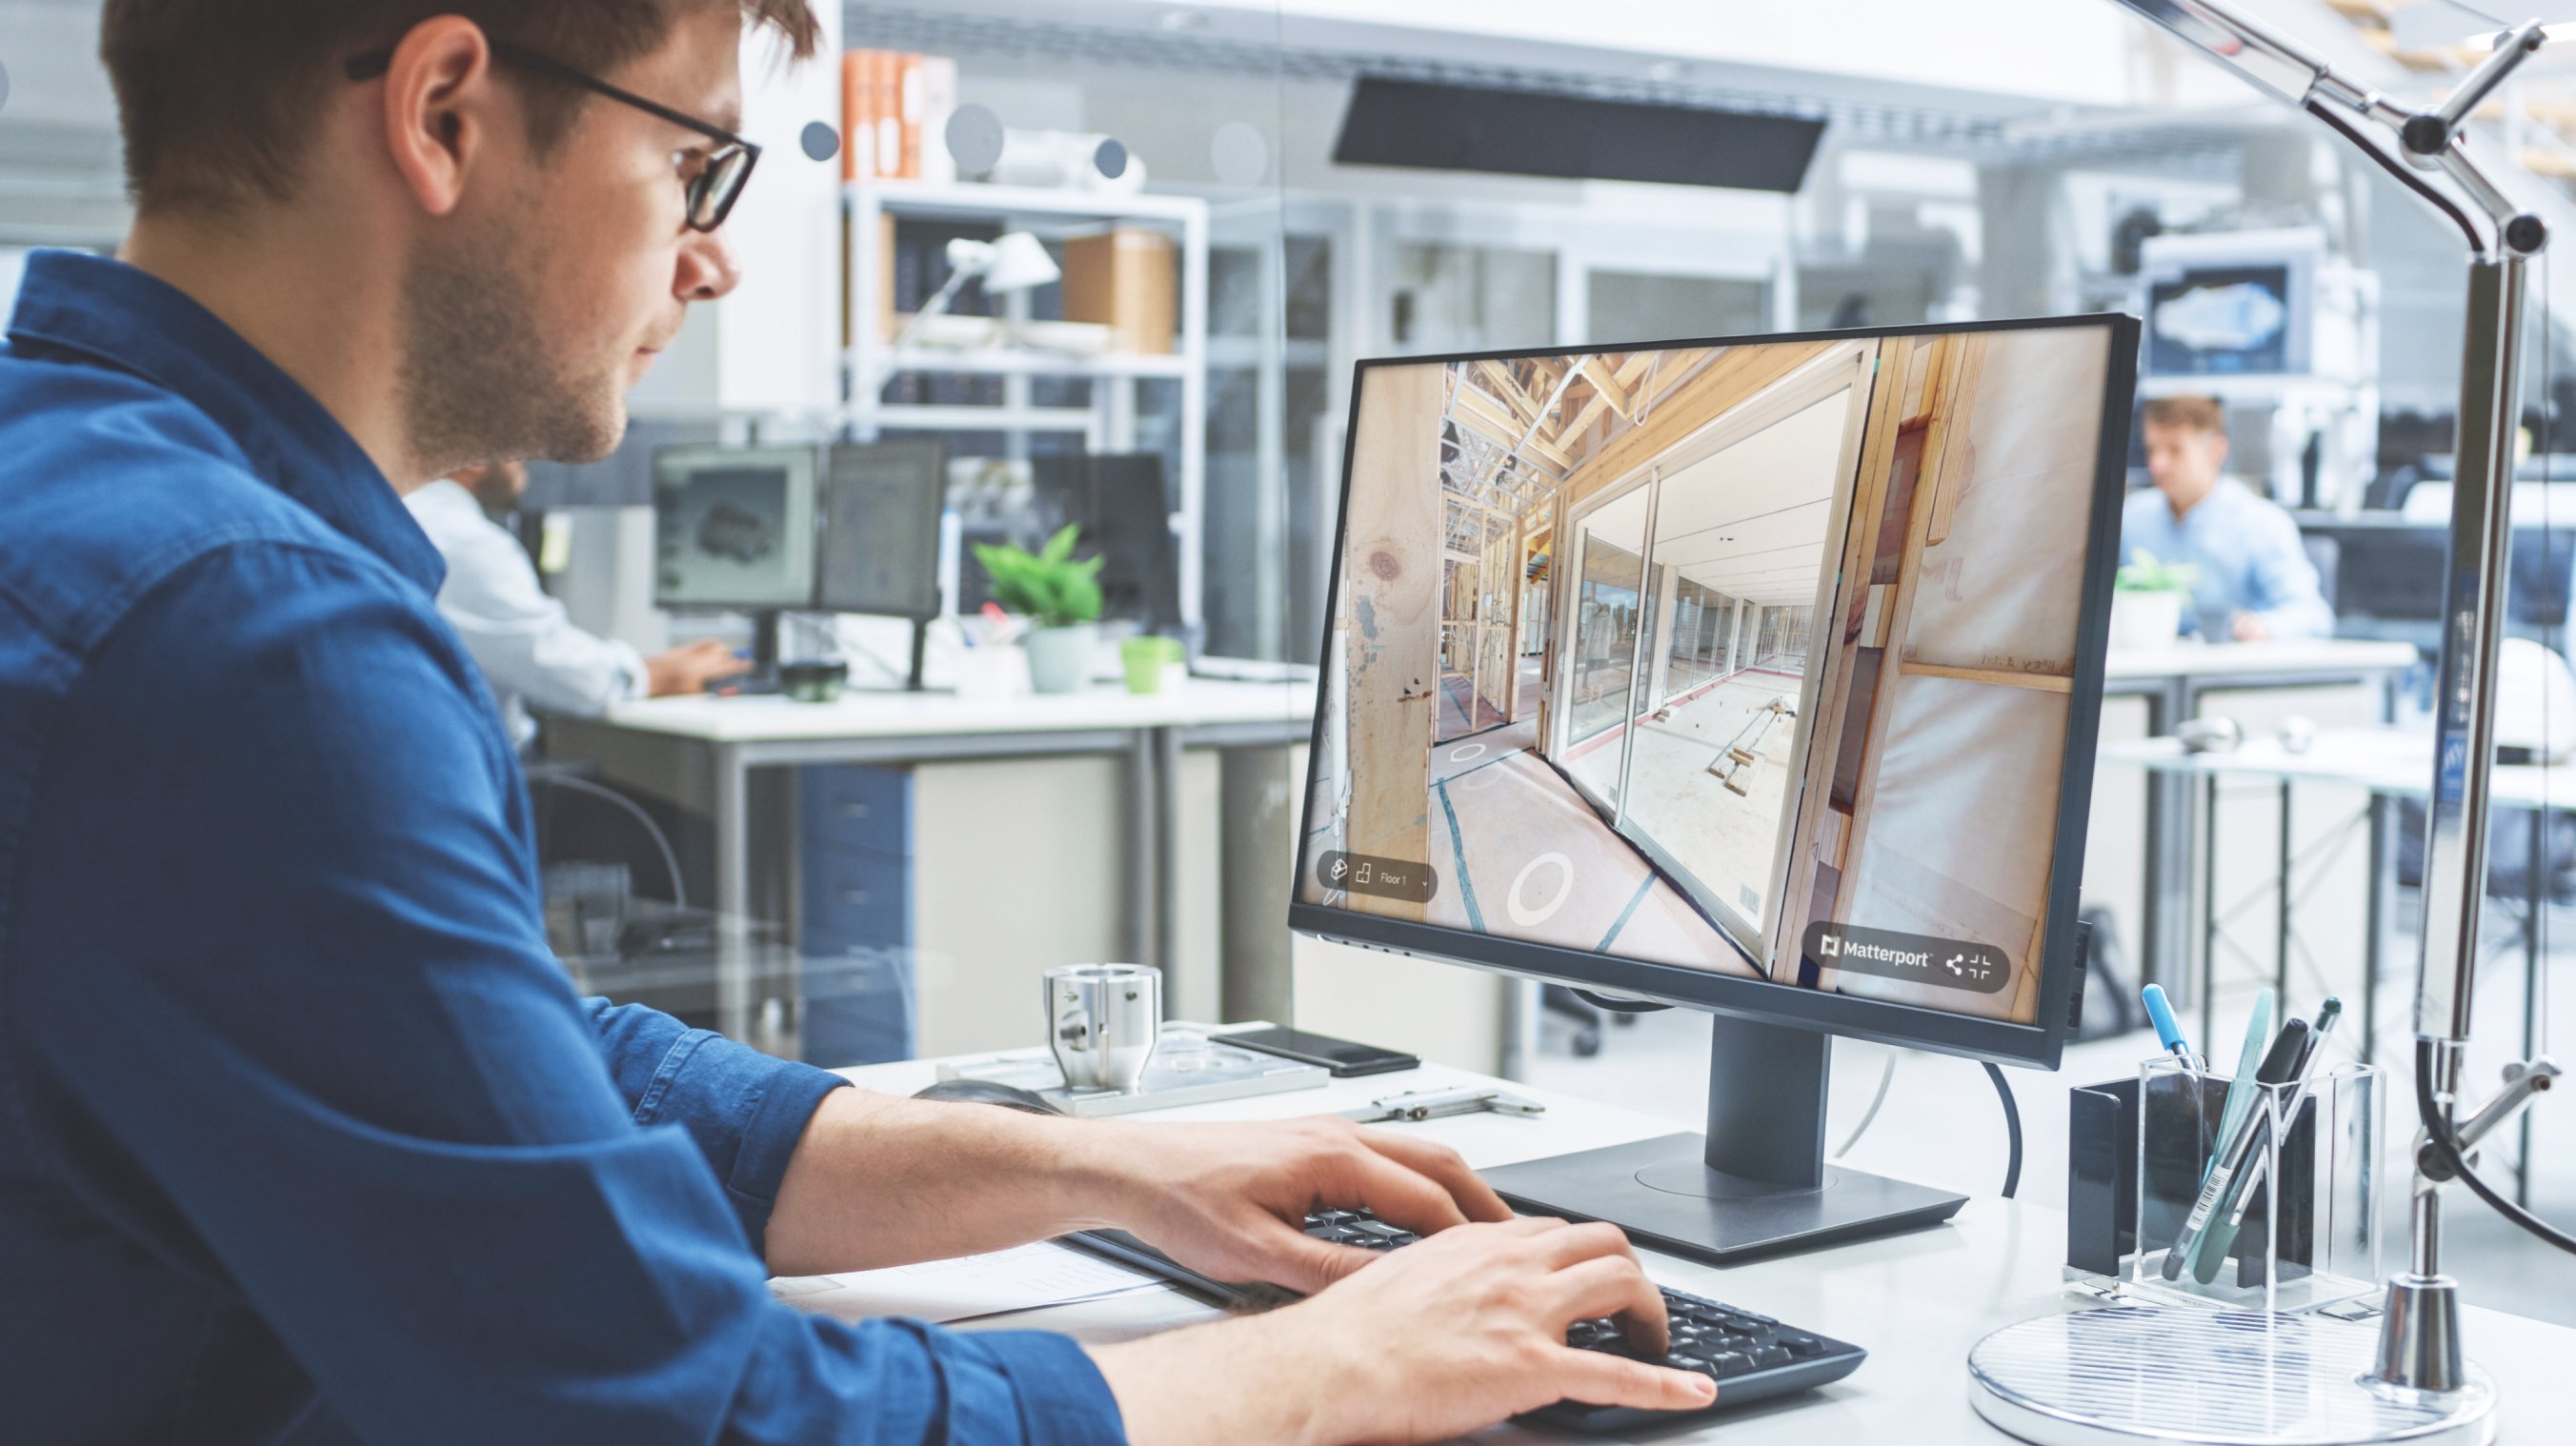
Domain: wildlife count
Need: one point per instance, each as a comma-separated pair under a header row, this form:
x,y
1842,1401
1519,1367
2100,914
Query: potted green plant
x,y
2147,601
1062,595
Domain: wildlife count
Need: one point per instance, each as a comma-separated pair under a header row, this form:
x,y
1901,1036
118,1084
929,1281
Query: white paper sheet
x,y
973,1285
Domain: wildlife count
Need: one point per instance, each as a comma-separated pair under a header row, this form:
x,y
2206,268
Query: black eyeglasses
x,y
712,187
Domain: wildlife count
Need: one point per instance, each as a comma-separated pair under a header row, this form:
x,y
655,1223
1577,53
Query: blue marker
x,y
2167,1031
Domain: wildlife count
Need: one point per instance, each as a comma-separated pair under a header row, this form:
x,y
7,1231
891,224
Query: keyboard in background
x,y
1749,1355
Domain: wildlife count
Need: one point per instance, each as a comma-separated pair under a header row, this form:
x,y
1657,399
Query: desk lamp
x,y
1016,262
2419,1361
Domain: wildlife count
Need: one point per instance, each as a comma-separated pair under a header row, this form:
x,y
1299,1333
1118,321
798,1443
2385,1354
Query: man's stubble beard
x,y
480,382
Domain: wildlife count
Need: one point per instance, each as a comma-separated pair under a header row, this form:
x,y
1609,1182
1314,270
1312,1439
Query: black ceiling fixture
x,y
1435,126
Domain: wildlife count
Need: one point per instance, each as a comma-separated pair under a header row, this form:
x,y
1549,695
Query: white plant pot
x,y
2145,621
1060,658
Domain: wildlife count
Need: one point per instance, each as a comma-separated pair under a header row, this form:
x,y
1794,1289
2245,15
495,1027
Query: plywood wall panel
x,y
1394,570
2000,592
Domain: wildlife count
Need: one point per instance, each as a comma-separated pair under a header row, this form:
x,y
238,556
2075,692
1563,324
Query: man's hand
x,y
878,1181
690,669
2249,629
1436,1339
1230,1201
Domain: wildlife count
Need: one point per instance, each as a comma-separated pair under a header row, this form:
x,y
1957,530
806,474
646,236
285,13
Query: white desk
x,y
1916,1301
2172,680
736,735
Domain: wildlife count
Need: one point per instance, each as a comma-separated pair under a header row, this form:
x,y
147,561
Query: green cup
x,y
1145,659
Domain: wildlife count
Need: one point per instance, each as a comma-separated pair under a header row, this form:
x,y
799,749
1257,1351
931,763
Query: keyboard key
x,y
1729,1363
1772,1355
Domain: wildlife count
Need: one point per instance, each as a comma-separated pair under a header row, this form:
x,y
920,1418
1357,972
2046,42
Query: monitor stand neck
x,y
1766,1102
1755,1184
763,677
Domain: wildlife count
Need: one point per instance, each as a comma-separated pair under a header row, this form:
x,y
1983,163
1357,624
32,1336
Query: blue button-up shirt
x,y
304,1136
2248,552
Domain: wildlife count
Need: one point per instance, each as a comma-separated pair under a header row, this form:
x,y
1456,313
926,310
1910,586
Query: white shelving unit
x,y
1109,423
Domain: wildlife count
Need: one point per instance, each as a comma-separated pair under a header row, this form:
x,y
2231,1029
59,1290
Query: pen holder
x,y
2141,1157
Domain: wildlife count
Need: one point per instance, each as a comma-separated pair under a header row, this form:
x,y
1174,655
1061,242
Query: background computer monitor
x,y
1759,676
881,504
1124,511
734,527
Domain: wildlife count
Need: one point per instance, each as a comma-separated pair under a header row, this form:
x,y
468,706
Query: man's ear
x,y
441,104
2218,449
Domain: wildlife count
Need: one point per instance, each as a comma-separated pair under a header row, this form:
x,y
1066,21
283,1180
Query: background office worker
x,y
303,1135
520,636
2253,570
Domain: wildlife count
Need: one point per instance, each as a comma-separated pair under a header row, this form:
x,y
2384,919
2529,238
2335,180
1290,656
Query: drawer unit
x,y
855,924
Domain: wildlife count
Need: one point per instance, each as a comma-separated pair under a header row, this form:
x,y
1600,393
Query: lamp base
x,y
2189,1377
2419,1335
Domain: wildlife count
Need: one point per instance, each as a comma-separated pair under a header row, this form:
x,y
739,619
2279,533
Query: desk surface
x,y
868,714
1917,1301
2328,656
2383,760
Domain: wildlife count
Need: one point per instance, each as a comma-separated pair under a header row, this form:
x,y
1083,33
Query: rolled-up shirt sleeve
x,y
305,1043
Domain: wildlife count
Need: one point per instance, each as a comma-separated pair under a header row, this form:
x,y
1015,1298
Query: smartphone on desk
x,y
1341,1056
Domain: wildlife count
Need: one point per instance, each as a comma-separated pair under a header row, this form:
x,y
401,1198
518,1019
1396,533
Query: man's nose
x,y
708,267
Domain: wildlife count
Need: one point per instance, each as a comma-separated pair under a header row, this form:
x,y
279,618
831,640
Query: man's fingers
x,y
1606,1380
1468,1190
1583,1242
1400,1196
1612,1285
1306,1265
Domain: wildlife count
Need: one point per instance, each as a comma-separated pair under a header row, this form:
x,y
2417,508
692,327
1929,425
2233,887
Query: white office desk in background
x,y
2172,681
1916,1302
726,738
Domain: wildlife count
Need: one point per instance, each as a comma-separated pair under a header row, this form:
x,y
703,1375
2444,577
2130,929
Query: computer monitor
x,y
734,527
881,504
1758,676
1131,523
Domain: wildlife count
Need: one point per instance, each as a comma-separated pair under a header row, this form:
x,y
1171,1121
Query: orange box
x,y
1124,279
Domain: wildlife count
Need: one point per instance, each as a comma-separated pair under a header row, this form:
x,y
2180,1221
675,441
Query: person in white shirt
x,y
529,650
2256,583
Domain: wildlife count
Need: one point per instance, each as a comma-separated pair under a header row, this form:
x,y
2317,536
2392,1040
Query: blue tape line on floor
x,y
1458,851
1626,914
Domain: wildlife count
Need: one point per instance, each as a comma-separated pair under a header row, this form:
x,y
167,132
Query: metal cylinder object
x,y
1103,1021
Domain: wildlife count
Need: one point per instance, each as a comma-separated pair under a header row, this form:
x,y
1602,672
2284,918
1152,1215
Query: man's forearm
x,y
879,1181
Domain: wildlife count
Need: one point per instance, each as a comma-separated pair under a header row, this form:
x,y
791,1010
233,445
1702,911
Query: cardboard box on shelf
x,y
1124,279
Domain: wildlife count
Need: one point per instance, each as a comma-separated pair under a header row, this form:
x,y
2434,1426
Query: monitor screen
x,y
2220,321
734,527
1774,661
881,505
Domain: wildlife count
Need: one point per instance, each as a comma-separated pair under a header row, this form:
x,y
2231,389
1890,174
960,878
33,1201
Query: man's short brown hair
x,y
2198,414
218,98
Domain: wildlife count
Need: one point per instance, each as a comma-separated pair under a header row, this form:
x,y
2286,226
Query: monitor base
x,y
1663,1194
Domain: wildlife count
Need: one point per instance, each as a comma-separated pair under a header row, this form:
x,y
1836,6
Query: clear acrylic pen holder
x,y
2270,1211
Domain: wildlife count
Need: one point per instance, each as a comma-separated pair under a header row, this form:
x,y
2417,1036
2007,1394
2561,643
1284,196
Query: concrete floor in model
x,y
1522,855
1725,839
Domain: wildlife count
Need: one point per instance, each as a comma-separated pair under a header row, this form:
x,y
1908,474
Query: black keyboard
x,y
1749,1355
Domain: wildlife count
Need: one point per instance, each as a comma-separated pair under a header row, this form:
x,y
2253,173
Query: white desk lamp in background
x,y
2185,1375
1016,262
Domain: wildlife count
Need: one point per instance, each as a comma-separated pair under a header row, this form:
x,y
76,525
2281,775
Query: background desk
x,y
1917,1301
2391,765
2172,681
721,741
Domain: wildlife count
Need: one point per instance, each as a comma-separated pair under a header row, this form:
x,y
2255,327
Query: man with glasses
x,y
304,1137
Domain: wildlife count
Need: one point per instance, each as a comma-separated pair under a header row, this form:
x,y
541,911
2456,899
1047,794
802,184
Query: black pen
x,y
2298,1100
2280,1065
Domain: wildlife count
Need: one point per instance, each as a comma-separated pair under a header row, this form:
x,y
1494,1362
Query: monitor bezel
x,y
755,454
2039,1043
